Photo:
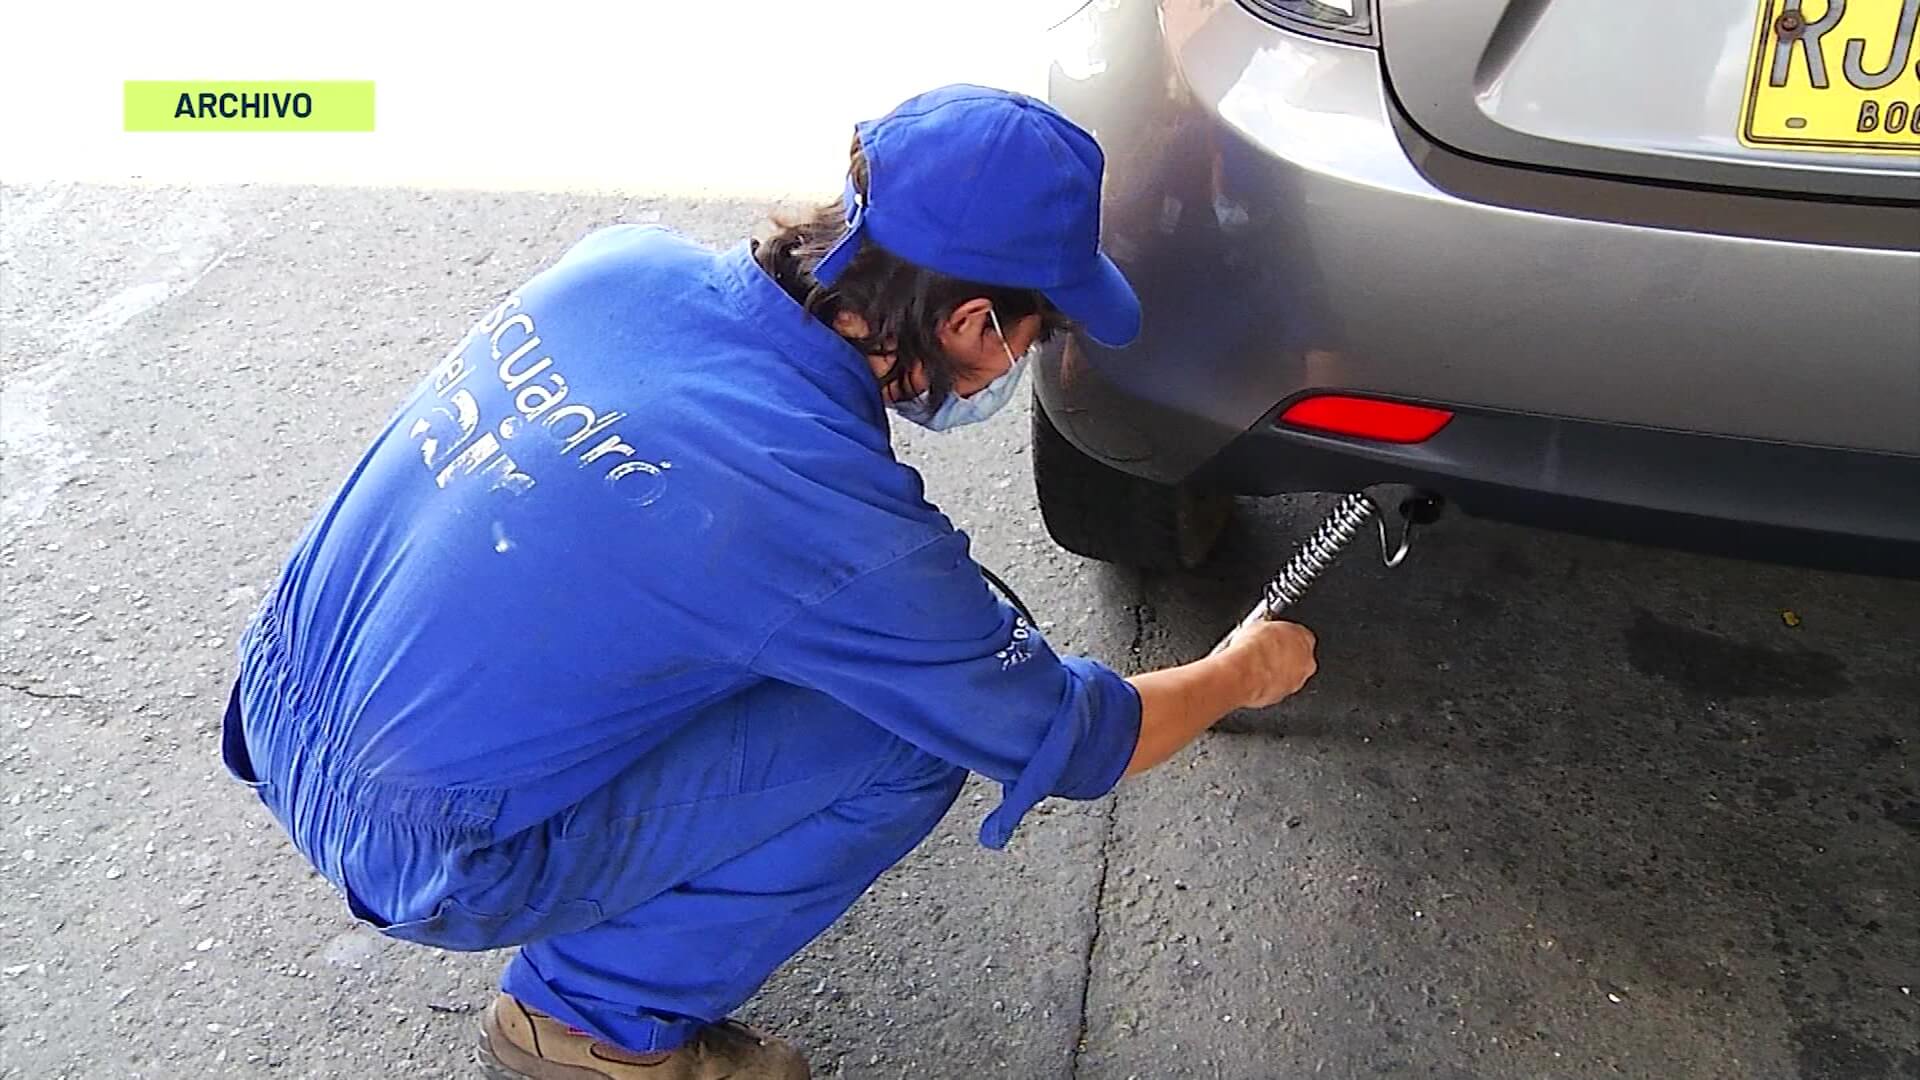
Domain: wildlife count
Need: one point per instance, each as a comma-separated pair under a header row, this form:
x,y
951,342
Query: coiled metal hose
x,y
1343,523
1336,531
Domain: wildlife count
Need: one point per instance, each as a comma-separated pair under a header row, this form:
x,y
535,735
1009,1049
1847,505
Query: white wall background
x,y
738,97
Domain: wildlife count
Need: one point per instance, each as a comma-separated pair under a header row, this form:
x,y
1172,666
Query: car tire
x,y
1095,510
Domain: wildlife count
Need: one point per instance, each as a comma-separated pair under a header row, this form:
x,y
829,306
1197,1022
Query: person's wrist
x,y
1238,676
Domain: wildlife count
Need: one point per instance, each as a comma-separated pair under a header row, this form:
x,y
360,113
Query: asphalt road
x,y
1553,808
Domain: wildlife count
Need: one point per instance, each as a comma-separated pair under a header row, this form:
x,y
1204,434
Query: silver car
x,y
1629,267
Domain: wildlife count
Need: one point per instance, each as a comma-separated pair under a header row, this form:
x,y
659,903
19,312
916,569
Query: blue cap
x,y
995,187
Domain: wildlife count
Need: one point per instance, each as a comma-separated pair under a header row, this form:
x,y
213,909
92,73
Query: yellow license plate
x,y
1835,75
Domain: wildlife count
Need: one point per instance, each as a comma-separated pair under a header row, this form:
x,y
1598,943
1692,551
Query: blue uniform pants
x,y
663,900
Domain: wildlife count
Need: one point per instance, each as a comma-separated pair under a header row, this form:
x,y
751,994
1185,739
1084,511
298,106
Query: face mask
x,y
957,411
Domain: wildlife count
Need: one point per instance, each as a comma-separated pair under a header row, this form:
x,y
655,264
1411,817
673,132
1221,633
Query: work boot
x,y
517,1043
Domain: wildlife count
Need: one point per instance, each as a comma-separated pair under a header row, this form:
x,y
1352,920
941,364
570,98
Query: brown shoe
x,y
517,1043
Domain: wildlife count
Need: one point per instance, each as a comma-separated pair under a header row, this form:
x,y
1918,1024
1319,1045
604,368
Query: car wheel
x,y
1095,510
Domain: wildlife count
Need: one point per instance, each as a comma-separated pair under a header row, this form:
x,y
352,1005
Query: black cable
x,y
1012,597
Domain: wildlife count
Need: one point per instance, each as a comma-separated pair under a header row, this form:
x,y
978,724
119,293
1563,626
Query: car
x,y
1635,269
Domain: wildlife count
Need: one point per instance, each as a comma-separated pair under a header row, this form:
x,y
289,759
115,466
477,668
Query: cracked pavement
x,y
1553,808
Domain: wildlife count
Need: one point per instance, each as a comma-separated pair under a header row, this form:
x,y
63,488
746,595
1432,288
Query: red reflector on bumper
x,y
1366,418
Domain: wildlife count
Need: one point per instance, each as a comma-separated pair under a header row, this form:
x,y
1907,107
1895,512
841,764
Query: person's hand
x,y
1260,664
1275,660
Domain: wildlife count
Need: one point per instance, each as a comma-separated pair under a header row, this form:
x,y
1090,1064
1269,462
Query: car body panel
x,y
1637,88
1287,231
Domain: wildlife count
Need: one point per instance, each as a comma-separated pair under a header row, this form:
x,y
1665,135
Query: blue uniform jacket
x,y
643,482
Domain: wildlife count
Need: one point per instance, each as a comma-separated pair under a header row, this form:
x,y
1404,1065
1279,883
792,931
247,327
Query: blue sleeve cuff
x,y
1084,752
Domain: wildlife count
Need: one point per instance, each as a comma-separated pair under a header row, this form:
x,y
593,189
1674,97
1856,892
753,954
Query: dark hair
x,y
902,304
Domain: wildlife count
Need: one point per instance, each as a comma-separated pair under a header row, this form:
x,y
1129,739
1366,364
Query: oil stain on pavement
x,y
1714,666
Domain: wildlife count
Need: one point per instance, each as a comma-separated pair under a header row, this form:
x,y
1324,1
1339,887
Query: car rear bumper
x,y
1839,509
1287,230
